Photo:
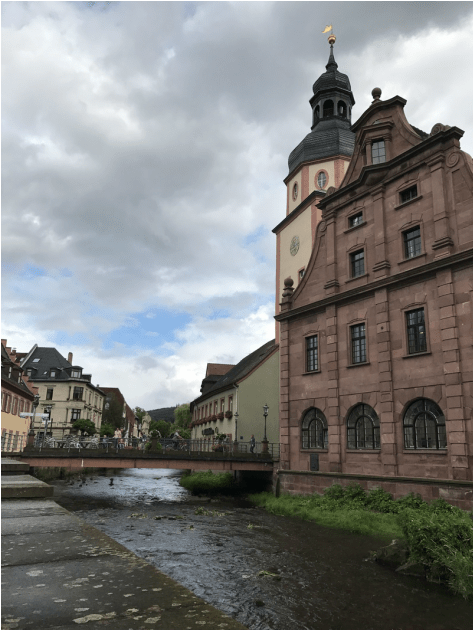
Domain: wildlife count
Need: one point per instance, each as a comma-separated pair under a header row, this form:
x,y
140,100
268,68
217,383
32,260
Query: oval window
x,y
295,190
322,179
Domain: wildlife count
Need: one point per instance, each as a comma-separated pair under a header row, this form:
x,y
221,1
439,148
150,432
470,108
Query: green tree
x,y
113,412
184,432
182,416
107,430
162,426
85,426
140,413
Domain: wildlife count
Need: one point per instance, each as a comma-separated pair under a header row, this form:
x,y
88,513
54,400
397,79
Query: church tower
x,y
319,162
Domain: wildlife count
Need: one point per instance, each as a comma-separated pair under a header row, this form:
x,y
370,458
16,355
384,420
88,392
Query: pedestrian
x,y
117,437
252,444
177,438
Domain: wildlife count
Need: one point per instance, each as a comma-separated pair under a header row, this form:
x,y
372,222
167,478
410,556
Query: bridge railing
x,y
164,446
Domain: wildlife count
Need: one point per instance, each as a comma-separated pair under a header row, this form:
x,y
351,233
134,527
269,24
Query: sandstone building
x,y
376,337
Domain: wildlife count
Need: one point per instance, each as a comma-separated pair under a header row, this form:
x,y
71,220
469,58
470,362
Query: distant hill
x,y
163,414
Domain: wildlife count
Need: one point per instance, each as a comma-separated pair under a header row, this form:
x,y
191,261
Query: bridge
x,y
77,458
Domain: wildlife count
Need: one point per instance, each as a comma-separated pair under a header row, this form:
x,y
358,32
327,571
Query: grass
x,y
438,535
208,483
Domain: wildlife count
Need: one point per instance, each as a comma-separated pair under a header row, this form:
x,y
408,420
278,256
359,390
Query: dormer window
x,y
36,360
378,152
76,373
52,373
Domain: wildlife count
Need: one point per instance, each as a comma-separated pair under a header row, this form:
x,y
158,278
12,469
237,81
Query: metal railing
x,y
164,446
13,442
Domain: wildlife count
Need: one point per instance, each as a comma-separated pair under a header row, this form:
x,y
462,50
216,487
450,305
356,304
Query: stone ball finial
x,y
376,93
288,282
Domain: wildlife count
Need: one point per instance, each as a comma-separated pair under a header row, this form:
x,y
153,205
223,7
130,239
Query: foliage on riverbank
x,y
208,483
438,535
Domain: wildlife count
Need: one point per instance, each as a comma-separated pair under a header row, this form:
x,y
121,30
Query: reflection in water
x,y
315,577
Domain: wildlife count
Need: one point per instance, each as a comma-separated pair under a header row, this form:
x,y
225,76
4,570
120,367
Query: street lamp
x,y
236,416
265,440
31,433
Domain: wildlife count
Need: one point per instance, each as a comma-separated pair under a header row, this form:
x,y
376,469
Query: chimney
x,y
13,351
69,358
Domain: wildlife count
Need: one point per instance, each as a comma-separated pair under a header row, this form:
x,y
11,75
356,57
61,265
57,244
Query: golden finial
x,y
332,37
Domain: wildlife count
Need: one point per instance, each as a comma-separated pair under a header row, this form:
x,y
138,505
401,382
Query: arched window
x,y
314,430
424,425
342,109
328,108
363,428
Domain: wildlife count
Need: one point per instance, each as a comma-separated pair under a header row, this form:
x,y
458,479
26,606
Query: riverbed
x,y
268,572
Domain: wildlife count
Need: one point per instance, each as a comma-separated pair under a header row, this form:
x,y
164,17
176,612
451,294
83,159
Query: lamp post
x,y
31,433
265,439
236,443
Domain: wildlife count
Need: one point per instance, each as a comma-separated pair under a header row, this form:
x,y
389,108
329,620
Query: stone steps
x,y
17,484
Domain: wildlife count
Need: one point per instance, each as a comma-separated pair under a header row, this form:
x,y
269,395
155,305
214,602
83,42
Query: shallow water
x,y
324,578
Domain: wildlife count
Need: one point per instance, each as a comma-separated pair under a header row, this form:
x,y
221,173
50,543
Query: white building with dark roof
x,y
66,393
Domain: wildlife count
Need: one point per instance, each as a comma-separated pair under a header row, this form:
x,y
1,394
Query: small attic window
x,y
36,360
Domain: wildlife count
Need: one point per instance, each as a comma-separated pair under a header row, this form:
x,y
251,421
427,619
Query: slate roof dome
x,y
331,104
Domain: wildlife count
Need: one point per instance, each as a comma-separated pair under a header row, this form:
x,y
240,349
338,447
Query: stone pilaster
x,y
333,409
388,433
381,266
454,412
443,242
332,283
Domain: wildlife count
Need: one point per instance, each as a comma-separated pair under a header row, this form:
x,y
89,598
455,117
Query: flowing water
x,y
314,577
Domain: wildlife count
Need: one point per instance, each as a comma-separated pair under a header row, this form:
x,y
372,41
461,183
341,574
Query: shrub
x,y
442,541
208,482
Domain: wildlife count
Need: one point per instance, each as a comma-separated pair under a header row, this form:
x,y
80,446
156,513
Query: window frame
x,y
408,189
316,177
314,416
410,434
312,336
406,312
49,390
73,414
352,339
351,218
75,392
352,263
356,413
295,191
374,142
301,273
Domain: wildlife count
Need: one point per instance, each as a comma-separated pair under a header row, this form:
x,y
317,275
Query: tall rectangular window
x,y
357,264
412,242
49,394
378,151
312,353
416,332
358,344
75,415
77,393
231,403
222,405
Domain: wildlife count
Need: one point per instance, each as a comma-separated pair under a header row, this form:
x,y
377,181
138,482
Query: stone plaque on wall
x,y
314,462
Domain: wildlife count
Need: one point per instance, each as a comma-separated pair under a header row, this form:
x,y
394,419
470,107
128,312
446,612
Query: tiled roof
x,y
218,369
240,370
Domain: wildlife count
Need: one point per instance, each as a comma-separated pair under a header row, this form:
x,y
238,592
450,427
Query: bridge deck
x,y
134,459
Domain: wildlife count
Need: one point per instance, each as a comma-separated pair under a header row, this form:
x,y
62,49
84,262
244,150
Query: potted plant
x,y
228,414
214,418
220,416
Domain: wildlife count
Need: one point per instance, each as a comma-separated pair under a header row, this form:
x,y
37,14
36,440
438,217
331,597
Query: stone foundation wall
x,y
458,493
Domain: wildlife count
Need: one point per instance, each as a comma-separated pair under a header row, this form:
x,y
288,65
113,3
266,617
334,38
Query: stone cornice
x,y
359,292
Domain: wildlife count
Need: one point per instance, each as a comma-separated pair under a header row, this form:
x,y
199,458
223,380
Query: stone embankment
x,y
58,572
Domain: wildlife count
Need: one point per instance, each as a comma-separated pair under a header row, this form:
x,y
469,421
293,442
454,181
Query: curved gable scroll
x,y
320,235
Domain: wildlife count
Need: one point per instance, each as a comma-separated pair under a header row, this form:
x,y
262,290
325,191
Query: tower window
x,y
378,151
342,109
321,179
328,108
295,190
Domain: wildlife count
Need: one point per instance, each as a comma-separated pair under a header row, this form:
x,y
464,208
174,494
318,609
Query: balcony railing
x,y
164,447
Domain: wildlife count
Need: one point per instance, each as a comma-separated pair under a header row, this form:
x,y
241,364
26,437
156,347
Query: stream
x,y
268,572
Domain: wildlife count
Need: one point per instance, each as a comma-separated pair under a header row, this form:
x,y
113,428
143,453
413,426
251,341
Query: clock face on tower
x,y
294,245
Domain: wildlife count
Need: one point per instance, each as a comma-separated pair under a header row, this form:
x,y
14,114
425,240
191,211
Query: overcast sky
x,y
144,146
